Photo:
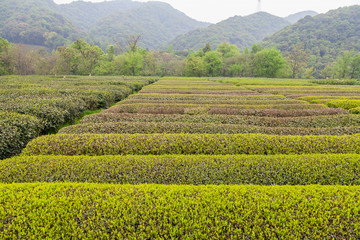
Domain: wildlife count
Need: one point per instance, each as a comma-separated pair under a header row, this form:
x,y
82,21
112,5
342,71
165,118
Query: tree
x,y
90,55
355,67
267,63
6,58
68,61
297,59
194,66
213,63
227,50
342,67
255,48
207,48
133,63
131,44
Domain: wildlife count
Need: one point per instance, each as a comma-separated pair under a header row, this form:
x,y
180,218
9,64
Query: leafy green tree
x,y
133,63
297,59
110,53
68,61
150,64
268,62
227,50
207,48
355,67
236,70
213,64
89,55
246,50
342,67
194,66
6,59
256,48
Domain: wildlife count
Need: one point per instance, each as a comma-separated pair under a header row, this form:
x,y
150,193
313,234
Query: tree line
x,y
82,58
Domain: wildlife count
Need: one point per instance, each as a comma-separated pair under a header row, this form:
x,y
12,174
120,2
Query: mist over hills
x,y
293,18
156,22
86,14
241,31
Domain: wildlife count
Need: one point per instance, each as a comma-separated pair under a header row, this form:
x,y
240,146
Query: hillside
x,y
156,22
325,36
293,18
45,23
86,14
241,31
34,22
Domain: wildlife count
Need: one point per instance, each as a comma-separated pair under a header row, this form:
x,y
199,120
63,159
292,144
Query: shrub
x,y
328,169
159,144
178,127
322,121
93,211
10,140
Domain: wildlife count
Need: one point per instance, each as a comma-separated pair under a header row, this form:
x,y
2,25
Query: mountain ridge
x,y
240,31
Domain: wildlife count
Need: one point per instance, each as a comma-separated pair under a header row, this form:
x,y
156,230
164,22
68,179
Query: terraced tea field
x,y
35,105
192,158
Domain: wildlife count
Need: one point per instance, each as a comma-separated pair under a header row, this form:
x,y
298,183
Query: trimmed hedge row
x,y
266,112
93,211
188,97
328,169
16,130
159,144
322,121
217,101
135,107
9,140
178,127
30,105
213,92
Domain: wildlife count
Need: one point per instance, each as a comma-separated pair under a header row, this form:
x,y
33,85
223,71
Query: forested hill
x,y
45,23
35,22
324,36
241,31
293,18
86,14
157,22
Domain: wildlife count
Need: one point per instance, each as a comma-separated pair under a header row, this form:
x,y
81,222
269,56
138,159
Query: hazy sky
x,y
216,10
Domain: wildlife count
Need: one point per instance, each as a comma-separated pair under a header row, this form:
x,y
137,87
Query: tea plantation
x,y
185,158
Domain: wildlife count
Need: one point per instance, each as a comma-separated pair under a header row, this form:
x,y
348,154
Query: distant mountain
x,y
35,22
45,23
293,18
241,31
323,35
156,22
86,14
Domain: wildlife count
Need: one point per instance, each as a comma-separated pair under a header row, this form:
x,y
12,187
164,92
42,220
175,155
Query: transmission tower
x,y
259,6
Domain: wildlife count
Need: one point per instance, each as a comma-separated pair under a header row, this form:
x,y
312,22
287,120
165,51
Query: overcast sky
x,y
217,10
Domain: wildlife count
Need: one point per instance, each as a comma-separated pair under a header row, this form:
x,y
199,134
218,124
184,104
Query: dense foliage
x,y
154,211
325,37
321,169
45,23
33,105
35,22
158,144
